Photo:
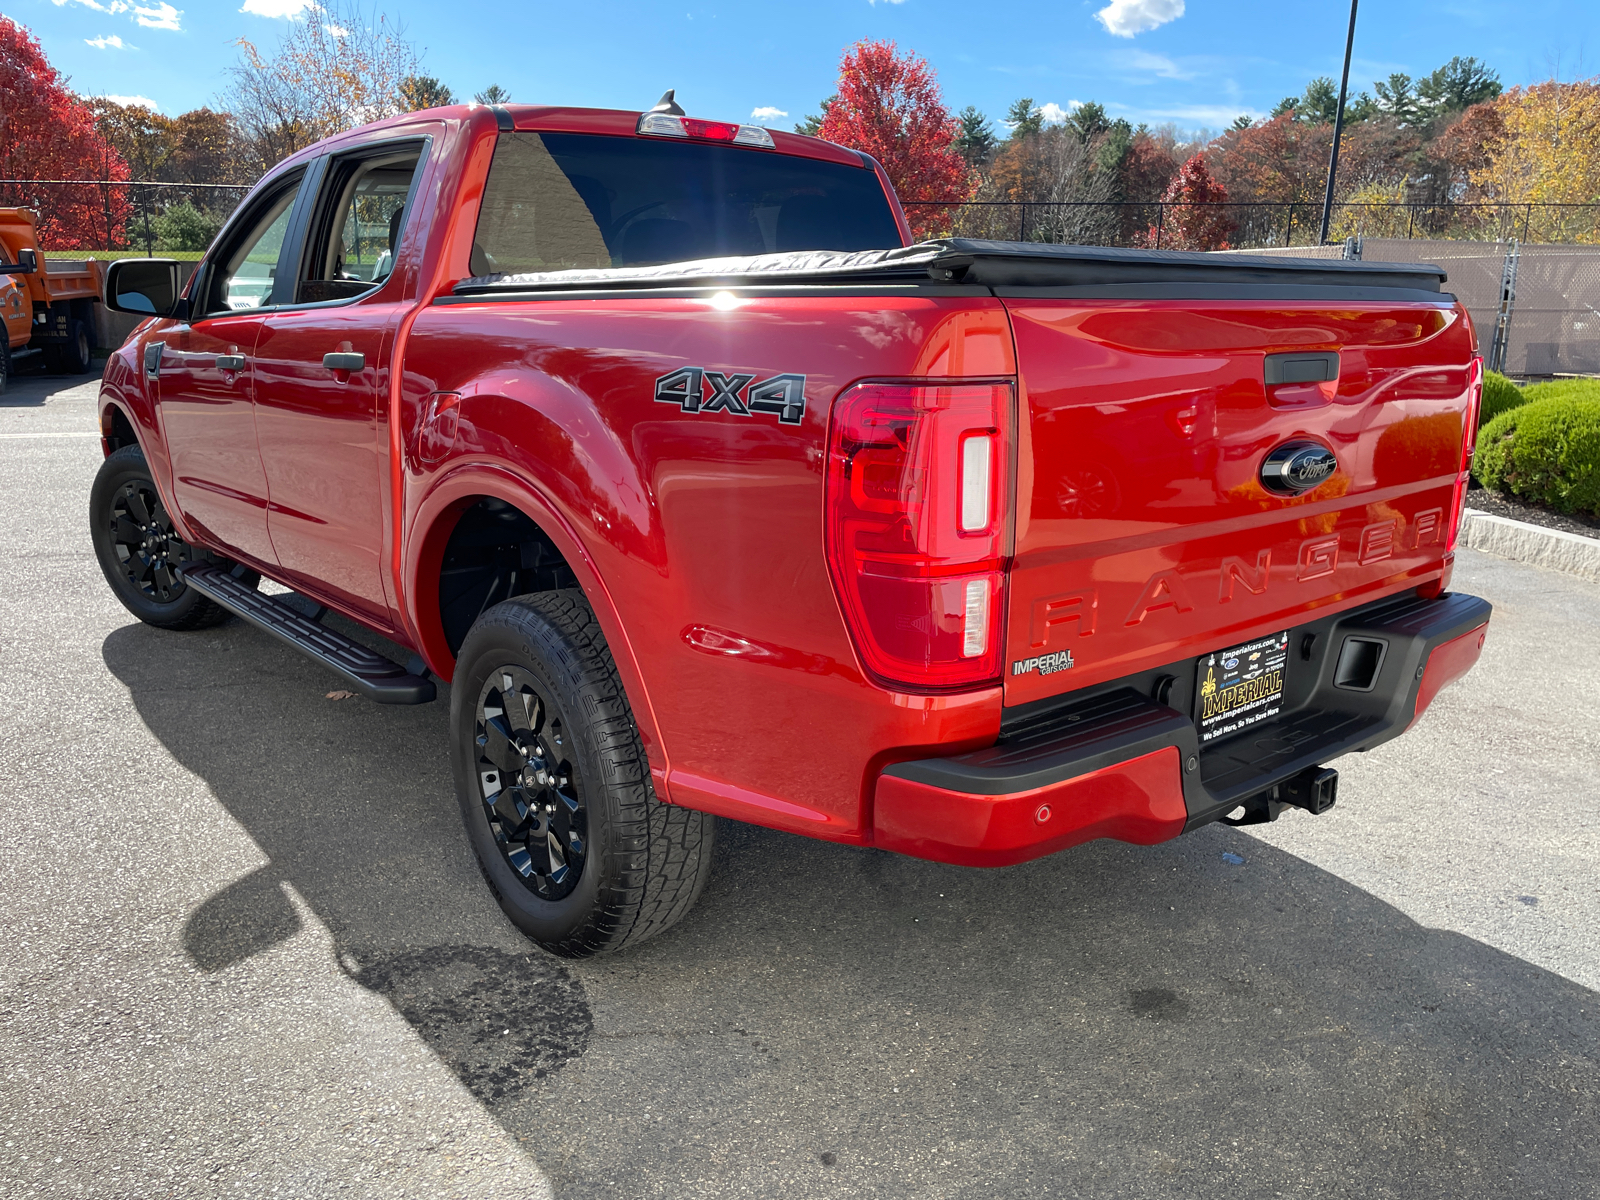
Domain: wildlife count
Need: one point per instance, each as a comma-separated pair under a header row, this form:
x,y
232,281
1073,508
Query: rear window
x,y
561,200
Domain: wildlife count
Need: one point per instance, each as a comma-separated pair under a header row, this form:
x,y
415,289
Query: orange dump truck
x,y
47,306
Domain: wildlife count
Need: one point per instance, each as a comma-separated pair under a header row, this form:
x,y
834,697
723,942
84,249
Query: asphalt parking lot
x,y
247,952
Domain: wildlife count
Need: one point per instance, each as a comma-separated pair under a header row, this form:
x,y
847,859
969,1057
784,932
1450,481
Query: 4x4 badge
x,y
784,396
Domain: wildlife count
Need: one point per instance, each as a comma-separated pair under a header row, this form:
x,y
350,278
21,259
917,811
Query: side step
x,y
368,672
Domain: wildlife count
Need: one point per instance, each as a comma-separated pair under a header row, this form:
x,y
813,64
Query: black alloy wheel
x,y
555,788
529,784
147,547
141,552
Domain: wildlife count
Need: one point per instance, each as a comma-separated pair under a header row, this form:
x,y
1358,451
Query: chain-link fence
x,y
1536,307
132,215
1242,225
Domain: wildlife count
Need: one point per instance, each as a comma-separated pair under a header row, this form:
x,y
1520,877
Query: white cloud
x,y
134,101
766,113
100,43
292,9
334,31
1124,18
157,16
116,6
874,2
1158,64
1054,114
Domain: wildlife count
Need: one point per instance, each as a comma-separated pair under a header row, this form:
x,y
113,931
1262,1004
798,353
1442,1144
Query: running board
x,y
368,672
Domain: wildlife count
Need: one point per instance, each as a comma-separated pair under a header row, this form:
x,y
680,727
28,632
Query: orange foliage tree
x,y
1193,216
889,106
46,132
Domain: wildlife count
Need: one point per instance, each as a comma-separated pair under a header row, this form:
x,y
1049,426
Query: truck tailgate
x,y
1144,532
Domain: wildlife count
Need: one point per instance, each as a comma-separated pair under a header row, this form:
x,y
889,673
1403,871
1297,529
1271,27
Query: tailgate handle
x,y
1302,366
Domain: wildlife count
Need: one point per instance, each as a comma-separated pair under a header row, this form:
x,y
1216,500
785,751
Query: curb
x,y
1519,541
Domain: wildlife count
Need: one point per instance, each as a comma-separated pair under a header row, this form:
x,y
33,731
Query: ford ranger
x,y
710,494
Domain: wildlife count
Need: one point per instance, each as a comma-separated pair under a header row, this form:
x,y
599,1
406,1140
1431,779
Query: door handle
x,y
229,362
336,361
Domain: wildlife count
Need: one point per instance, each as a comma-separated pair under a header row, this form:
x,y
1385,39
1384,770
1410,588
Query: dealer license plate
x,y
1241,687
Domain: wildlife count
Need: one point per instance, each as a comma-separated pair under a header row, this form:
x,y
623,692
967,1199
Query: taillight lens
x,y
1469,443
917,477
664,125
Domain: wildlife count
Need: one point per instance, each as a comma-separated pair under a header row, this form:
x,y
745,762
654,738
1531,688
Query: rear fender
x,y
435,519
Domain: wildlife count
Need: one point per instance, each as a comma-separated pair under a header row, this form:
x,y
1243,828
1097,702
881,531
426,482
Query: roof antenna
x,y
668,105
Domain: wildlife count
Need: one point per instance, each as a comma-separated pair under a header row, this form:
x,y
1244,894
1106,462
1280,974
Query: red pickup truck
x,y
711,495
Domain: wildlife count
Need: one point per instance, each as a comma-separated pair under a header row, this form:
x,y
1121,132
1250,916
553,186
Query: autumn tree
x,y
341,68
1192,217
889,106
46,132
1548,152
1277,161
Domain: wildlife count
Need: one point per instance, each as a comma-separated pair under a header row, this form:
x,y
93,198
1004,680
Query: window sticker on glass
x,y
1241,687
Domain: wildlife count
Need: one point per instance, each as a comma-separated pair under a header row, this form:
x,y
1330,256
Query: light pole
x,y
1338,128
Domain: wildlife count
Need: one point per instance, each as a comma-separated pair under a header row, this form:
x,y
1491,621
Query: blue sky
x,y
1197,63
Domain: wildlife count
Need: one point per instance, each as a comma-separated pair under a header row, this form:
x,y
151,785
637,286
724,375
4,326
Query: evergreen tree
x,y
1397,98
812,124
423,91
976,141
1089,121
493,94
1023,119
1458,85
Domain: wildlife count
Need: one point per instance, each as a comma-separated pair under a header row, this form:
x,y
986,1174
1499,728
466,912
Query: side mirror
x,y
146,287
27,263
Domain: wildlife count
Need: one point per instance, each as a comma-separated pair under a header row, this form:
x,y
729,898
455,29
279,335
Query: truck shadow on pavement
x,y
1113,1020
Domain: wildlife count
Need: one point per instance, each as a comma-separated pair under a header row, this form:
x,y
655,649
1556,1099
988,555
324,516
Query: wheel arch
x,y
424,549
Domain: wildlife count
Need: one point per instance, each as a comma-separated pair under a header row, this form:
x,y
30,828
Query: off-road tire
x,y
645,862
5,362
183,607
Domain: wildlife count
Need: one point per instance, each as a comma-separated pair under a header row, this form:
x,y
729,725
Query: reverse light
x,y
977,471
916,476
665,125
1469,444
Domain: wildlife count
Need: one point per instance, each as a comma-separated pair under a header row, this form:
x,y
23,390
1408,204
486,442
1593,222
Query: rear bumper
x,y
1119,764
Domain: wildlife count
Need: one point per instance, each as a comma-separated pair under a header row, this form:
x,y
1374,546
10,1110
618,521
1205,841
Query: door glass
x,y
246,272
362,228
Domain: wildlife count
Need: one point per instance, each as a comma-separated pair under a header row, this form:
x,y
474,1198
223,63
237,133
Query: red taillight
x,y
917,482
717,131
1469,443
658,124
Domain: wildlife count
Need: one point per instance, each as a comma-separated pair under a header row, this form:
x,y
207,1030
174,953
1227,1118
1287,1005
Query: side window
x,y
244,273
357,229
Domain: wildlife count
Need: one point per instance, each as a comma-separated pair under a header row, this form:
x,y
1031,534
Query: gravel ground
x,y
249,953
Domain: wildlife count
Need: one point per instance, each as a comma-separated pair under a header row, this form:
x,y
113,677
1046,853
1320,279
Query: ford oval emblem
x,y
1296,467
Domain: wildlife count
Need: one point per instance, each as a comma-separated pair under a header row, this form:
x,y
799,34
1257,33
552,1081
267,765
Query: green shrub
x,y
1579,389
1490,460
185,227
1499,395
1546,451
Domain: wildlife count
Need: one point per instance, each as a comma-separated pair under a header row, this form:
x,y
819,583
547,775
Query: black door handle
x,y
344,362
228,362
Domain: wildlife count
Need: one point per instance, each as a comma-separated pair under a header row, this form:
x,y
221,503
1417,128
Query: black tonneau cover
x,y
998,265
